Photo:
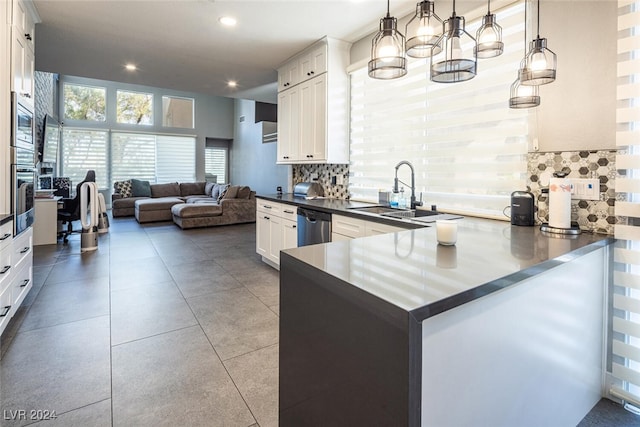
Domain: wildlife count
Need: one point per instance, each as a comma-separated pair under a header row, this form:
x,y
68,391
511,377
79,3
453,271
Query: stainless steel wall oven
x,y
23,172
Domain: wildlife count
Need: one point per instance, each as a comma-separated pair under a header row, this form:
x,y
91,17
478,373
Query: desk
x,y
45,227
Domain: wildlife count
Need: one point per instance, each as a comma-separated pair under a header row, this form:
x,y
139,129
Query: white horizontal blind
x,y
84,150
467,146
215,162
133,155
625,335
175,158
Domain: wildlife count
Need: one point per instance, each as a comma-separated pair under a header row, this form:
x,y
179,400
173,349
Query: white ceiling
x,y
180,44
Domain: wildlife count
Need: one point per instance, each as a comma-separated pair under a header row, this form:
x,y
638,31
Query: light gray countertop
x,y
410,270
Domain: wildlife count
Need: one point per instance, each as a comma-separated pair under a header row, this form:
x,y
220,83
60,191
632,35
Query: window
x,y
216,159
85,102
177,112
175,158
134,108
83,150
468,148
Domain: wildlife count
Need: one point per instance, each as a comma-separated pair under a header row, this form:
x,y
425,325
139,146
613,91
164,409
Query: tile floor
x,y
159,326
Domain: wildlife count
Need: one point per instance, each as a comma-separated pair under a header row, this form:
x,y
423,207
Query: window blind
x,y
467,146
133,155
624,336
215,162
83,150
175,159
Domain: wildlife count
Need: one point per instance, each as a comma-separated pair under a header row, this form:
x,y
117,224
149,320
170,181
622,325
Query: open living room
x,y
274,213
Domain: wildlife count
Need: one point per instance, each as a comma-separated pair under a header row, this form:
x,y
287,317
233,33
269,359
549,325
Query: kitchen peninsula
x,y
504,328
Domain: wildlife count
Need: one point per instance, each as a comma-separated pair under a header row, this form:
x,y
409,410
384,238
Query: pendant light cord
x,y
489,7
525,28
388,14
538,18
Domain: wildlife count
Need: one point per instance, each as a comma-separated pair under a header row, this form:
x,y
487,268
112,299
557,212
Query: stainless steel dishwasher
x,y
313,227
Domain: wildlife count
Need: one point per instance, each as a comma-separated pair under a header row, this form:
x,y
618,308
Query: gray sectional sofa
x,y
189,205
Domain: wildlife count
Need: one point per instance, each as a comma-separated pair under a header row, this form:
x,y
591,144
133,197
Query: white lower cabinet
x,y
276,229
346,228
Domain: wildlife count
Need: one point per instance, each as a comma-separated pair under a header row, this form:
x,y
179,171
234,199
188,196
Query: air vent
x,y
242,118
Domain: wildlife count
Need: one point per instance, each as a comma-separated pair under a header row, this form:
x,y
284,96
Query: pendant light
x,y
423,30
388,50
540,64
523,96
457,62
489,36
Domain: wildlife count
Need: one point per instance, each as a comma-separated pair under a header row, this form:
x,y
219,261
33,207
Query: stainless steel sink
x,y
380,210
409,213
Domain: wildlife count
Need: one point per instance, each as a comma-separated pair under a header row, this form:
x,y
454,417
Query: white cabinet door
x,y
288,125
375,228
317,143
313,63
275,239
337,237
262,234
289,75
289,234
347,226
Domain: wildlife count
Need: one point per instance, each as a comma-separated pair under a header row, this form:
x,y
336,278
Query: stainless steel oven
x,y
22,122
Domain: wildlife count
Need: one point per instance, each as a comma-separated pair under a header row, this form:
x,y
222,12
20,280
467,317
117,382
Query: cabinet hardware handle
x,y
308,74
25,283
27,36
6,310
293,226
266,217
289,212
5,237
312,72
266,206
25,250
5,269
285,157
26,95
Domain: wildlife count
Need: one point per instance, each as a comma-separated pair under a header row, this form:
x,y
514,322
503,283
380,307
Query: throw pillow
x,y
244,192
223,190
232,192
208,187
215,191
123,188
140,188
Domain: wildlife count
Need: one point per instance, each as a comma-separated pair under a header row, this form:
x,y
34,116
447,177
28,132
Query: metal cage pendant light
x,y
388,59
457,62
522,96
540,64
489,36
423,31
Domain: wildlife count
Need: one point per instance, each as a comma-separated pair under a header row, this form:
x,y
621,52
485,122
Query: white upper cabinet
x,y
313,116
24,17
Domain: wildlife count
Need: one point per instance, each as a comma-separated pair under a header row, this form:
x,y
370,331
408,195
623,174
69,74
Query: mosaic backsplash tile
x,y
305,173
597,216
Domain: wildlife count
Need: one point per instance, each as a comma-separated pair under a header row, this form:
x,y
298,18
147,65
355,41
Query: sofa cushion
x,y
140,188
156,204
195,210
208,187
243,192
222,190
192,188
128,202
171,189
123,188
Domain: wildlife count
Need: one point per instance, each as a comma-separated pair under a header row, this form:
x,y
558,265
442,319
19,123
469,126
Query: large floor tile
x,y
174,379
256,376
179,254
235,321
95,415
66,302
132,273
79,267
148,310
200,278
60,368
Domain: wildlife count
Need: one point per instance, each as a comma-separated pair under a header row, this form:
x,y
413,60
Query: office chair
x,y
71,209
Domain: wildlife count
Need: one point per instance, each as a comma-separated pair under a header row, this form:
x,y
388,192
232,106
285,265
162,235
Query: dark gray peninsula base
x,y
395,330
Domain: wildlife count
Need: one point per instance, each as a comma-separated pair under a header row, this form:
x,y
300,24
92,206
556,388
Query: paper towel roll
x,y
559,203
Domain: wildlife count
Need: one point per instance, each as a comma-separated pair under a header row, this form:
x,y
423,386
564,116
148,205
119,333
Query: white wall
x,y
252,162
577,111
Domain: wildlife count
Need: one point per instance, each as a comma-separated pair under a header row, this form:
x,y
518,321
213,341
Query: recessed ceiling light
x,y
232,83
130,67
228,21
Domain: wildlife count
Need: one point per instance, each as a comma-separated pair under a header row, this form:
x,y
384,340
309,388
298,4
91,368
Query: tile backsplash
x,y
591,215
306,173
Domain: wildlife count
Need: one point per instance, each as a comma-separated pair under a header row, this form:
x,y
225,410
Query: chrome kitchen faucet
x,y
413,184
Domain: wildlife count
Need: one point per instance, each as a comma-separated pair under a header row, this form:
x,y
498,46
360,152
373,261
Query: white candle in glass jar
x,y
446,232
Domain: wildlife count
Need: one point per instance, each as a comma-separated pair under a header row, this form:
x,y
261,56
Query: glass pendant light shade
x,y
387,51
423,30
489,38
457,62
523,96
539,66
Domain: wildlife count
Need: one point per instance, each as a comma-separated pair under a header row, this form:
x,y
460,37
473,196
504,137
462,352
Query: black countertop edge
x,y
477,292
5,218
347,210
